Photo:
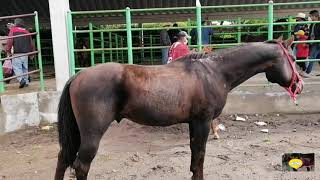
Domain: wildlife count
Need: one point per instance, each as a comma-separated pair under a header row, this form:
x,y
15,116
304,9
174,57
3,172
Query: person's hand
x,y
31,57
8,54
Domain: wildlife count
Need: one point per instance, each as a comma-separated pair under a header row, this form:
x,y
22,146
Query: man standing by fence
x,y
314,35
21,45
165,41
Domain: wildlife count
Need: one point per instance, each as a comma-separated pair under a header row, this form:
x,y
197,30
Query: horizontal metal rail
x,y
21,35
191,27
193,8
97,12
296,3
309,41
308,60
98,30
235,6
163,9
20,55
160,47
13,77
80,68
17,16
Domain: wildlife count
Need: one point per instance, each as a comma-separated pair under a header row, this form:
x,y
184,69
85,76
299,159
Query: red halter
x,y
295,76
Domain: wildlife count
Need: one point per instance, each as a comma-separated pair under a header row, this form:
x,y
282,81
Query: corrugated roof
x,y
12,7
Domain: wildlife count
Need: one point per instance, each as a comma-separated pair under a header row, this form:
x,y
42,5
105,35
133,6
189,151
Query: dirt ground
x,y
132,151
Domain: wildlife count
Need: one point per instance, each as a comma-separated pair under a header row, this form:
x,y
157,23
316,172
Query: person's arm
x,y
317,31
9,43
32,48
32,44
162,38
168,40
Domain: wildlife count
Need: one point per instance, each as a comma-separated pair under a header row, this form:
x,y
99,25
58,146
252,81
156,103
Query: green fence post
x,y
71,44
36,20
151,50
91,44
141,35
270,20
290,19
1,76
259,31
189,30
102,46
110,46
121,44
117,45
129,35
239,30
199,33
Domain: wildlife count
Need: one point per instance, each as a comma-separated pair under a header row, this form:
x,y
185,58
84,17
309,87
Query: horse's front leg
x,y
199,131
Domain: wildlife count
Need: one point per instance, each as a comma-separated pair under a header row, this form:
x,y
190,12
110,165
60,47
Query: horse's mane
x,y
272,41
219,52
197,55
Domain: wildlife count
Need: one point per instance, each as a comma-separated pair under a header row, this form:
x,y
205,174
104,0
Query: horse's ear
x,y
289,42
280,39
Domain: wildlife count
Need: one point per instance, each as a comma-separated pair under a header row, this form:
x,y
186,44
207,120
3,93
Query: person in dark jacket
x,y
301,17
314,35
165,41
20,45
173,33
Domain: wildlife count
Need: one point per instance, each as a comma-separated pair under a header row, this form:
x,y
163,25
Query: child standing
x,y
302,51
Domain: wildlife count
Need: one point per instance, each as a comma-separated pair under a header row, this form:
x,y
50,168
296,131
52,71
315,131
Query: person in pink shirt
x,y
179,48
302,52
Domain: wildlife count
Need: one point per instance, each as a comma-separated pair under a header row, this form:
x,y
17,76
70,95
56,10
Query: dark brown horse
x,y
191,90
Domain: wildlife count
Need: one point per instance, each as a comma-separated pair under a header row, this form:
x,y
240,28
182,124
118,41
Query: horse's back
x,y
96,81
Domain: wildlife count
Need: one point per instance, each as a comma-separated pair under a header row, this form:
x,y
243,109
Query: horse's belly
x,y
157,114
154,122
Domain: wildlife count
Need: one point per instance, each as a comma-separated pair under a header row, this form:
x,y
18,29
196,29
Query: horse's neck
x,y
240,64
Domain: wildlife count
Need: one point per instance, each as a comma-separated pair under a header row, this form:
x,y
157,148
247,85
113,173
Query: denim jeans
x,y
314,51
164,52
20,66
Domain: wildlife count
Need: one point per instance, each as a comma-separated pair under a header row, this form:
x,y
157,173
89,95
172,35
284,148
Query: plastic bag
x,y
7,68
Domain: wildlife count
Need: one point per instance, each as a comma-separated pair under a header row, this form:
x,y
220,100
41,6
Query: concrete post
x,y
58,17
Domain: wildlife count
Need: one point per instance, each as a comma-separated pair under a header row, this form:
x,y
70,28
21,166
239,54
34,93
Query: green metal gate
x,y
36,52
270,24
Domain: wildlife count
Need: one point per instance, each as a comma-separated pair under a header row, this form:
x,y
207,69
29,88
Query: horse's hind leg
x,y
61,167
199,131
87,151
92,129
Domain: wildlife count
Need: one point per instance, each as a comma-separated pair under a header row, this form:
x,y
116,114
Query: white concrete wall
x,y
32,108
29,109
19,110
48,106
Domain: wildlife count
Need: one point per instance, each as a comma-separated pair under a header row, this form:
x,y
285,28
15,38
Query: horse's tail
x,y
69,136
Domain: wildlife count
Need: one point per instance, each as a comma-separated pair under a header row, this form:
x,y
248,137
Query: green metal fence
x,y
239,28
36,52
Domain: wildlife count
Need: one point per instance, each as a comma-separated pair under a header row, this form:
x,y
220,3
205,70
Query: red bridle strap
x,y
295,75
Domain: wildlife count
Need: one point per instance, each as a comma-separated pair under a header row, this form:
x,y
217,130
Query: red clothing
x,y
177,50
302,48
21,44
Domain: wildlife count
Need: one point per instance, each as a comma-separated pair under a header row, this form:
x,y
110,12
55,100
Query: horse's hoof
x,y
216,137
